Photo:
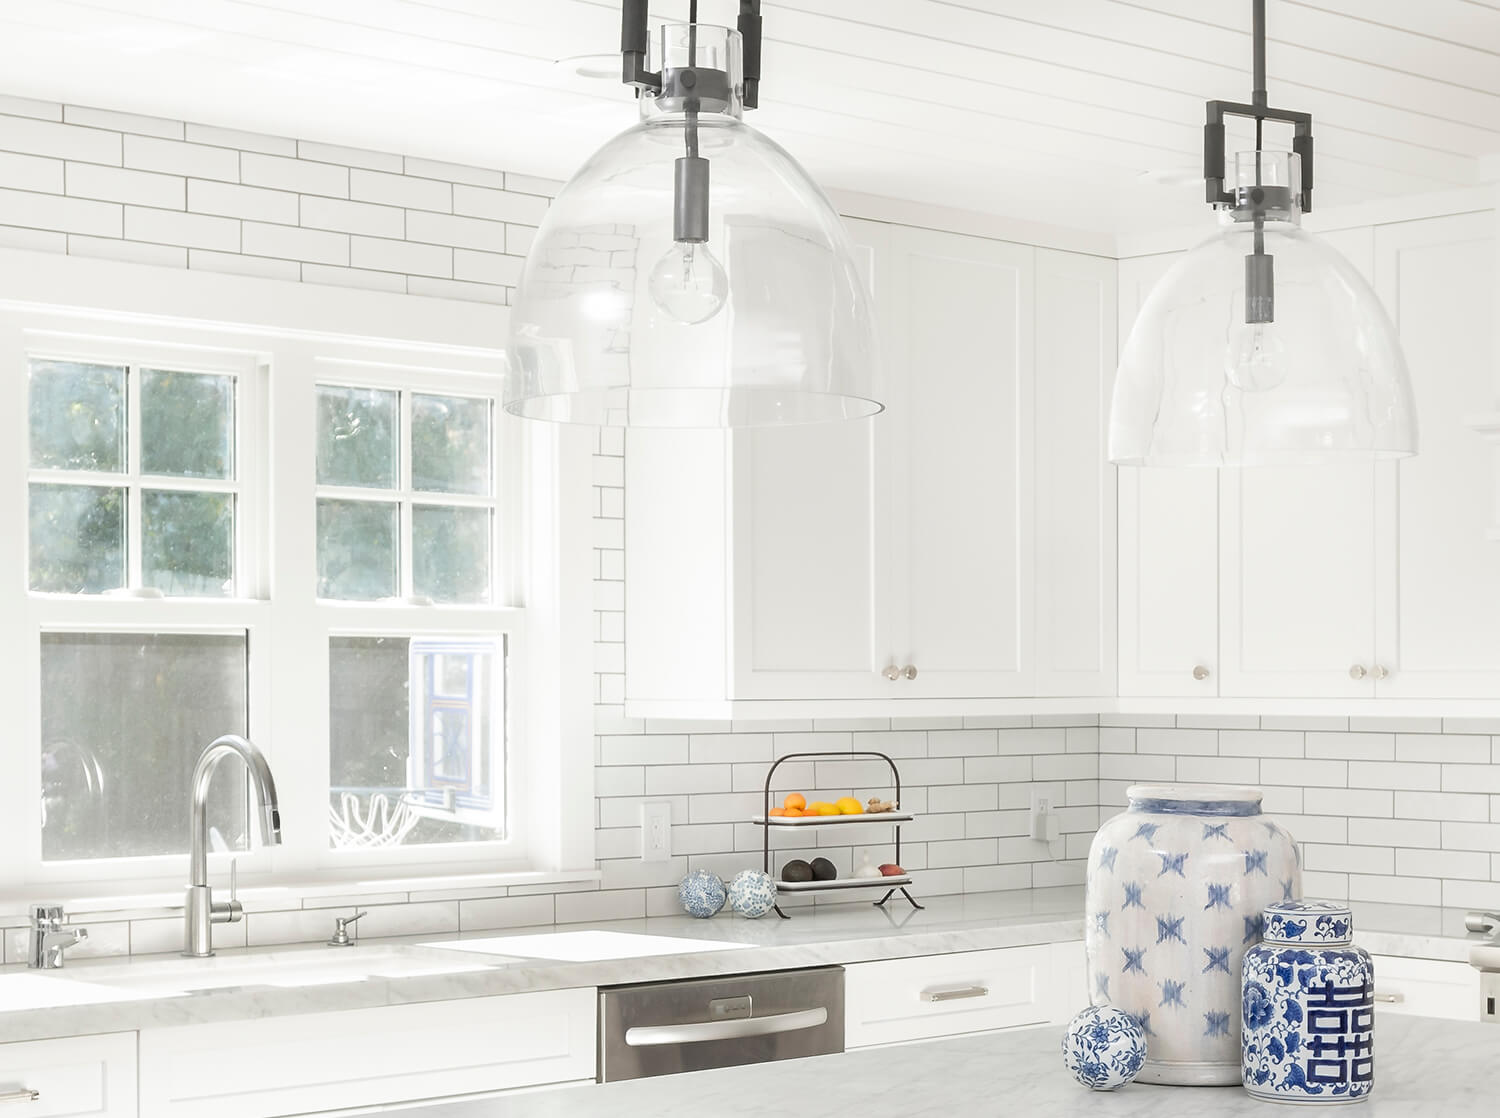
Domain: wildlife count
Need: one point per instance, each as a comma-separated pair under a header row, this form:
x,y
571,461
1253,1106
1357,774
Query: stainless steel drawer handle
x,y
645,1035
1379,997
954,993
23,1095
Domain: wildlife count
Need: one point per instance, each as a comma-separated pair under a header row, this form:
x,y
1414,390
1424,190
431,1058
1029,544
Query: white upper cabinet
x,y
1169,554
1438,617
1297,567
813,564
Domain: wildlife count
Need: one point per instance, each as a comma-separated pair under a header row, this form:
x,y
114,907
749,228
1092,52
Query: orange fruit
x,y
848,805
792,813
795,799
776,811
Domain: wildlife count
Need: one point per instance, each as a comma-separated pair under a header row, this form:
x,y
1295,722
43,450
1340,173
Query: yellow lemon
x,y
848,805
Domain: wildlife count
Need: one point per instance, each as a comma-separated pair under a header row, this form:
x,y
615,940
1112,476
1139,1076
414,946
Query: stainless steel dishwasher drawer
x,y
665,1027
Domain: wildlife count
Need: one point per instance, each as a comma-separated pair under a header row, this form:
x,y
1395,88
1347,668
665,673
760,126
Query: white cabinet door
x,y
1168,554
1074,554
960,456
1439,611
809,527
71,1077
1426,988
367,1057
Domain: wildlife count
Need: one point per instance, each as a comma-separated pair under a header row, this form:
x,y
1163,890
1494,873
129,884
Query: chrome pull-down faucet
x,y
201,912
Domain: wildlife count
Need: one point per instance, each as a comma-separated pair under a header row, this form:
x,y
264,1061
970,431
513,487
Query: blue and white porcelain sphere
x,y
1104,1048
702,894
1308,1007
752,893
1175,890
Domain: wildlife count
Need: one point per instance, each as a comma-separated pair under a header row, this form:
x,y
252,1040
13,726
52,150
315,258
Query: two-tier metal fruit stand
x,y
890,818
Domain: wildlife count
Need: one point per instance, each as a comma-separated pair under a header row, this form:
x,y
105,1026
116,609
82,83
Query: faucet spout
x,y
201,911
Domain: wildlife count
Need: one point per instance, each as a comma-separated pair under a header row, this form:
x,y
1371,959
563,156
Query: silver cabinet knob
x,y
1381,671
1358,672
892,672
910,671
1200,673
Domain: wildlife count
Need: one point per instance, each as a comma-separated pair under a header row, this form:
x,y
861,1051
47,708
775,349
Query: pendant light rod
x,y
1258,110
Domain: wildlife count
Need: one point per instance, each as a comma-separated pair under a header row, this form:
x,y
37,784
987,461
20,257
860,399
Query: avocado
x,y
797,870
824,870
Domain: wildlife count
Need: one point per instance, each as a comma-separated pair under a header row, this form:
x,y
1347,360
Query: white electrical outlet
x,y
1045,826
656,831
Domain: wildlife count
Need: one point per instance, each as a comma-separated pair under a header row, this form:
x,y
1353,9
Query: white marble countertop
x,y
1424,1068
827,934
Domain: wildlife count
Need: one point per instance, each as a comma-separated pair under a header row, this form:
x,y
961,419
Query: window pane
x,y
187,424
77,538
451,553
417,746
358,429
77,416
450,444
116,768
187,543
357,550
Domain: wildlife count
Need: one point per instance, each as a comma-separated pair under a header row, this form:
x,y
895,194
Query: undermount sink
x,y
587,946
50,991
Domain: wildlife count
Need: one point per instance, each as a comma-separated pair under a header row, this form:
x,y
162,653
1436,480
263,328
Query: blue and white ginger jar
x,y
1175,890
1104,1048
1308,1007
702,894
752,893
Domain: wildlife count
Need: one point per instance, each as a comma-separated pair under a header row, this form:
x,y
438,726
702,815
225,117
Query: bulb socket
x,y
1260,288
690,200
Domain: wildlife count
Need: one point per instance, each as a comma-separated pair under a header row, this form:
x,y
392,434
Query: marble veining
x,y
1429,1069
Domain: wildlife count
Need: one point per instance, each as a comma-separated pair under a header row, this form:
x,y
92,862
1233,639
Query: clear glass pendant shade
x,y
1304,367
766,321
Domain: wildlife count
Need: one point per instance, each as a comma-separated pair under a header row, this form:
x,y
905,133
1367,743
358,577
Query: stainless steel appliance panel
x,y
666,1027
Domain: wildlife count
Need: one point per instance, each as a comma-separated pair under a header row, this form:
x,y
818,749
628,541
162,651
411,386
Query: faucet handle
x,y
47,917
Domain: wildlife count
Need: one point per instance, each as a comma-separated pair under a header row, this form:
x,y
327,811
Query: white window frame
x,y
283,339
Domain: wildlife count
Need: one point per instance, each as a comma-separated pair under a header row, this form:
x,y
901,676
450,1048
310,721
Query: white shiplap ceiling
x,y
1062,111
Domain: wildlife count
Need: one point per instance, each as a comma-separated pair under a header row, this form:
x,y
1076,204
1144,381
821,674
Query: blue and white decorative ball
x,y
702,894
1104,1047
752,893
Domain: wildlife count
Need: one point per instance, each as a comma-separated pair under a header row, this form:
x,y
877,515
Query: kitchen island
x,y
1424,1067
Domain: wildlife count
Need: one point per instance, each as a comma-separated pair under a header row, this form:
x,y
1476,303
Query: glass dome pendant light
x,y
1263,345
691,274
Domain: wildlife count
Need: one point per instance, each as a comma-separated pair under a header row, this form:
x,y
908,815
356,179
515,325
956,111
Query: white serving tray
x,y
834,820
843,883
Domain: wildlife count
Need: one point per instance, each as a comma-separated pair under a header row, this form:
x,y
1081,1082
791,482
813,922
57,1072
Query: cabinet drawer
x,y
1426,988
943,995
73,1077
328,1061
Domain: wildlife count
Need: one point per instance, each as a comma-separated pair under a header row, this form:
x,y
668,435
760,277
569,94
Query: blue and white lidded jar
x,y
1308,1007
1176,886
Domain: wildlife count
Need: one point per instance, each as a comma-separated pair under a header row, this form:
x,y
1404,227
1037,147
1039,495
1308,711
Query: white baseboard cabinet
x,y
328,1062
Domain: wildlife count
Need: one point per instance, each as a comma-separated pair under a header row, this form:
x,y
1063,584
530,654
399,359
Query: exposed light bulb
x,y
689,283
1256,360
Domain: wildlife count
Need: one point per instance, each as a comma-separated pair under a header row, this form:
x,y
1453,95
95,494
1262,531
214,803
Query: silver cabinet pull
x,y
1358,672
910,671
642,1036
1381,671
23,1095
954,993
1392,998
1200,673
892,673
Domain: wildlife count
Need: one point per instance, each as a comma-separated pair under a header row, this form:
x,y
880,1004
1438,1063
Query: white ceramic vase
x,y
1176,887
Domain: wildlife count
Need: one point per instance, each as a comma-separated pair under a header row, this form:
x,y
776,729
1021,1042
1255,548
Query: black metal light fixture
x,y
1263,345
691,274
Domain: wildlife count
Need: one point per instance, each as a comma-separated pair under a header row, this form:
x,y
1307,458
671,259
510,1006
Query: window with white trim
x,y
314,541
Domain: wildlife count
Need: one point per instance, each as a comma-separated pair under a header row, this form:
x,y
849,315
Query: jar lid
x,y
1308,922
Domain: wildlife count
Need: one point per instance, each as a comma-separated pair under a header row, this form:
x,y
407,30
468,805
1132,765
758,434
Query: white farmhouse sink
x,y
47,991
587,946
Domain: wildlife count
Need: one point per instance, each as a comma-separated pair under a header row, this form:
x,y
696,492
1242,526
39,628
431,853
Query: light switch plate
x,y
656,831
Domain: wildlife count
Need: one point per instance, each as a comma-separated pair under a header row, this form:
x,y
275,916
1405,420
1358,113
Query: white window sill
x,y
291,895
